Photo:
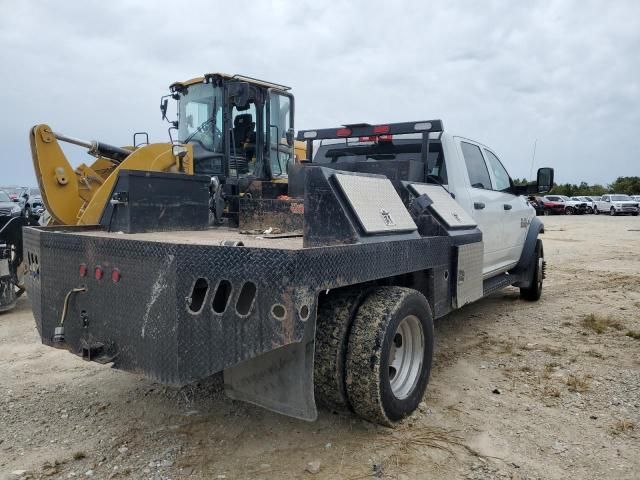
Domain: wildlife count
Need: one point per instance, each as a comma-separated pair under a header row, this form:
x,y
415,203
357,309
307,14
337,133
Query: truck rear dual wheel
x,y
335,316
374,349
389,354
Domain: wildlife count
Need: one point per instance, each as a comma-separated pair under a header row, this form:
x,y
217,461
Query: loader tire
x,y
389,354
335,315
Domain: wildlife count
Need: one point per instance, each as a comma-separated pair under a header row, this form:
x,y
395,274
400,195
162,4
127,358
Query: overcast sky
x,y
505,73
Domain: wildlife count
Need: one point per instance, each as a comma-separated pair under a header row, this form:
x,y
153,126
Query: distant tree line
x,y
628,185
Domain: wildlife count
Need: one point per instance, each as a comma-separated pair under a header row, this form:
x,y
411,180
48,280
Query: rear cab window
x,y
398,148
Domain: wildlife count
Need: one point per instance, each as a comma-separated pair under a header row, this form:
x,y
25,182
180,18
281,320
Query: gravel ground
x,y
519,390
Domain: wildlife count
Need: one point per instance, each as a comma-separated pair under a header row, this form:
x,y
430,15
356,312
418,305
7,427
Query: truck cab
x,y
470,171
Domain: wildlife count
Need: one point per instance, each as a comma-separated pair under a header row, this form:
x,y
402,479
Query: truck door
x,y
486,205
517,214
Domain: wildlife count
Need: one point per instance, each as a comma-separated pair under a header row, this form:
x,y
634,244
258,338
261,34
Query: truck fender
x,y
526,264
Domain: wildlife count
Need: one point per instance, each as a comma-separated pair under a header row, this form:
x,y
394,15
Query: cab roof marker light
x,y
310,134
343,132
422,126
381,129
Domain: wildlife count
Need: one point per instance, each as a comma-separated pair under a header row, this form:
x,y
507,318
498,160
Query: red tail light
x,y
83,269
98,272
378,129
343,132
115,275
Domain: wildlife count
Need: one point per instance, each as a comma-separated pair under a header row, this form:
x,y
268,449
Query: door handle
x,y
478,205
507,206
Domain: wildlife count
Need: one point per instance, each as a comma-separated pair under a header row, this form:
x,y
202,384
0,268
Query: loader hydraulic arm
x,y
79,196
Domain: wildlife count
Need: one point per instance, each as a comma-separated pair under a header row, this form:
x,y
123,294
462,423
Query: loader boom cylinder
x,y
96,148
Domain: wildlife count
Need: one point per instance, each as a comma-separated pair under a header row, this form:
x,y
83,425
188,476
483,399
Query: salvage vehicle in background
x,y
33,206
590,204
11,223
571,207
617,204
546,207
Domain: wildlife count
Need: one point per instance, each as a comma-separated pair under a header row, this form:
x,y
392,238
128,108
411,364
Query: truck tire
x,y
389,354
534,291
612,212
596,211
568,211
335,315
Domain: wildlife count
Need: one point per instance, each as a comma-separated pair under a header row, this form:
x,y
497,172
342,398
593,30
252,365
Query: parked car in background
x,y
8,207
617,204
571,207
33,206
545,207
635,198
590,203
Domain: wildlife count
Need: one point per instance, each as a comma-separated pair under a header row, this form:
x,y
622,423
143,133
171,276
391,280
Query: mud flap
x,y
280,380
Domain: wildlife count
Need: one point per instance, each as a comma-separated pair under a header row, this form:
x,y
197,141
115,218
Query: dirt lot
x,y
518,390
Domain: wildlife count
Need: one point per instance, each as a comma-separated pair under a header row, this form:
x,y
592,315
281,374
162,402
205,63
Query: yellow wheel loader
x,y
235,129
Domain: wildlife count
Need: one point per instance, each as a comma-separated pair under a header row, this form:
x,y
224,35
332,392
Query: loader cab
x,y
241,129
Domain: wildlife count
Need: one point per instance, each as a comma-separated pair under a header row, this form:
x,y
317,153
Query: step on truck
x,y
317,285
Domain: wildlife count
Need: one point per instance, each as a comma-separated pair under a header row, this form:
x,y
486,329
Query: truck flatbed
x,y
211,236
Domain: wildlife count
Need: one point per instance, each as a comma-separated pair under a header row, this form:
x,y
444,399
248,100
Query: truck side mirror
x,y
545,179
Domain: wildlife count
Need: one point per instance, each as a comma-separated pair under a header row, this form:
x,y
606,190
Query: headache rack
x,y
368,131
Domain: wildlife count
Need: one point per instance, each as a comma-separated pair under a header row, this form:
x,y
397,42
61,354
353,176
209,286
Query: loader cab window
x,y
280,120
200,117
242,141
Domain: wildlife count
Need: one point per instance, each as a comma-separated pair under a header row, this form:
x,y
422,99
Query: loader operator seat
x,y
242,128
244,138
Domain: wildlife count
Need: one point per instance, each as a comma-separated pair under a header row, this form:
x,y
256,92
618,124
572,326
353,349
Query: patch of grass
x,y
633,334
549,367
600,324
622,426
551,391
506,347
577,384
553,351
79,455
594,353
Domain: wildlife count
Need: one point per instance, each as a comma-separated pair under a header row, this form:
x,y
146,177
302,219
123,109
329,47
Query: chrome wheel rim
x,y
405,357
